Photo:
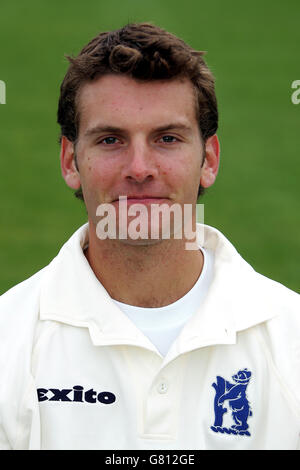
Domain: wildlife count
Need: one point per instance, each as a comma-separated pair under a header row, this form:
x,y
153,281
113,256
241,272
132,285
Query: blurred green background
x,y
253,51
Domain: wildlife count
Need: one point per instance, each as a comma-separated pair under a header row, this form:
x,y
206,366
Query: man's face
x,y
137,139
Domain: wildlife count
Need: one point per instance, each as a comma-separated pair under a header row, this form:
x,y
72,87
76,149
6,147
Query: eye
x,y
109,141
168,139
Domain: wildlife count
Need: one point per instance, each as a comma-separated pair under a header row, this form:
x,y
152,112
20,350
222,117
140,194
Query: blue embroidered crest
x,y
235,395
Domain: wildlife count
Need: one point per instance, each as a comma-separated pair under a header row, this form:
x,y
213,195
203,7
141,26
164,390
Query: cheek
x,y
183,176
98,175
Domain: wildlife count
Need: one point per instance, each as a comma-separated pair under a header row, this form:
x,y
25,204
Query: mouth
x,y
142,199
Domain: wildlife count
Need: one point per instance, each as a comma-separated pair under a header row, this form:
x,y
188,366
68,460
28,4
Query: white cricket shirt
x,y
76,373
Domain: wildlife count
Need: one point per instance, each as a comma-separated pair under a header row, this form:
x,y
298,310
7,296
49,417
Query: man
x,y
139,342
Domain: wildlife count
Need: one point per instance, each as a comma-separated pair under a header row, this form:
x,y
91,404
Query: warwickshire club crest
x,y
237,402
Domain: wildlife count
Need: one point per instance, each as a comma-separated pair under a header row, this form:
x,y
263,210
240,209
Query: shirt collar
x,y
71,294
238,298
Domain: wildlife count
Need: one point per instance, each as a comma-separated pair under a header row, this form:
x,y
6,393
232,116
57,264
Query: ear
x,y
211,163
67,163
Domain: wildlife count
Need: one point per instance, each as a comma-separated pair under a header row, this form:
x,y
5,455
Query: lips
x,y
142,198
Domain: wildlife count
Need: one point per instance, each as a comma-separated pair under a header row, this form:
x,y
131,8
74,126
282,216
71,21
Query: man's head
x,y
145,53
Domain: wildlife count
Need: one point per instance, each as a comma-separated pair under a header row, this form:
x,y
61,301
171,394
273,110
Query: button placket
x,y
162,386
162,404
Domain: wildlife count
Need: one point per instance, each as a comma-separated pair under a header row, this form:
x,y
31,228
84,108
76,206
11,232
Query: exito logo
x,y
296,94
2,92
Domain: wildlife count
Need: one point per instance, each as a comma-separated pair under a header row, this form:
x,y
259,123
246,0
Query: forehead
x,y
124,102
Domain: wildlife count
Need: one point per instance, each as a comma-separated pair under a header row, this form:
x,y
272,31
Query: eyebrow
x,y
98,129
175,125
112,129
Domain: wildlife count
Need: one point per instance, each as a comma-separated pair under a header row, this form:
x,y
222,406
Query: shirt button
x,y
162,387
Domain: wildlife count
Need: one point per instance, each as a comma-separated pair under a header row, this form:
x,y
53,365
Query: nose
x,y
140,166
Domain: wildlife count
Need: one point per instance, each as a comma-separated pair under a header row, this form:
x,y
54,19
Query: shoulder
x,y
286,303
258,296
283,300
258,300
19,315
280,336
20,306
20,302
277,303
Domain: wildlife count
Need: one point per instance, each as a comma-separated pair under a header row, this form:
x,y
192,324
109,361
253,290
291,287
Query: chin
x,y
140,242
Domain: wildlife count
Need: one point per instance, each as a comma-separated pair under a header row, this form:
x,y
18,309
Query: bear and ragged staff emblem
x,y
235,398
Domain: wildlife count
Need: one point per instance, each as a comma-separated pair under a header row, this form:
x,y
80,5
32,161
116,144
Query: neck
x,y
144,275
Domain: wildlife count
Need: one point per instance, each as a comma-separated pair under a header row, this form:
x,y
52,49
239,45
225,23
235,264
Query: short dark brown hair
x,y
144,52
